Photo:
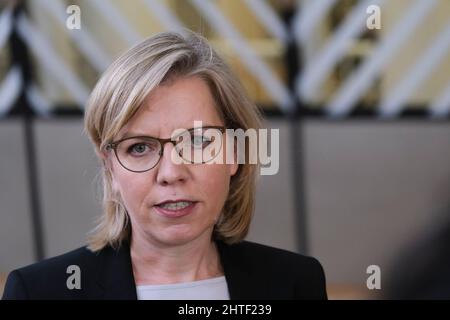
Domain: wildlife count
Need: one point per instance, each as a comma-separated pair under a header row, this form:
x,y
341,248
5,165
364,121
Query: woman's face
x,y
169,107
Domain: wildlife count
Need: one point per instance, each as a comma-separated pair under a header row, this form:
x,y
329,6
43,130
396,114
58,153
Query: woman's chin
x,y
177,235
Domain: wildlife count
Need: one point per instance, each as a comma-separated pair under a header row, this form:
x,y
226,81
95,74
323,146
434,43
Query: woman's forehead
x,y
149,123
191,91
173,106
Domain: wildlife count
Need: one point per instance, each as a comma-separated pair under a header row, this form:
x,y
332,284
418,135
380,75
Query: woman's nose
x,y
169,170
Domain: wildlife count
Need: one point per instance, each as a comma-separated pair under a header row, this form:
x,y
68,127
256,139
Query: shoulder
x,y
81,257
281,266
256,253
49,275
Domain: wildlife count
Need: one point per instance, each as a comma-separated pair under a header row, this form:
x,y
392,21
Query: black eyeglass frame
x,y
162,142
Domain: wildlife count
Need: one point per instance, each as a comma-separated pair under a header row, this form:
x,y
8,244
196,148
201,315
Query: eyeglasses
x,y
142,153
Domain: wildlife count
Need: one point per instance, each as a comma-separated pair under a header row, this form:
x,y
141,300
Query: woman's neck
x,y
156,264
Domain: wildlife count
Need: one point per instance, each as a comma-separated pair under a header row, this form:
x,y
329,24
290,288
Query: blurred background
x,y
360,91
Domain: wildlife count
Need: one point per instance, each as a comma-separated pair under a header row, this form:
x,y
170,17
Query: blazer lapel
x,y
115,274
242,280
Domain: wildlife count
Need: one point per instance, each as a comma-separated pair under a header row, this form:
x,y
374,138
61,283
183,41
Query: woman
x,y
173,225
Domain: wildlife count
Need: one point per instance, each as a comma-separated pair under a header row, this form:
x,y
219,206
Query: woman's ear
x,y
234,168
103,156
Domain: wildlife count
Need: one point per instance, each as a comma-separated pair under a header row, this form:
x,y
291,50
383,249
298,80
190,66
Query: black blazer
x,y
252,271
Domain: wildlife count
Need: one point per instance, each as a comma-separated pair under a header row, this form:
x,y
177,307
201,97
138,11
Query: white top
x,y
208,289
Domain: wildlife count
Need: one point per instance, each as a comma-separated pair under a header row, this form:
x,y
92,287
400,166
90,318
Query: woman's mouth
x,y
175,209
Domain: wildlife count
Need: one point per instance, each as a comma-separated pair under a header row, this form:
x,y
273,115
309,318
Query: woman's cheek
x,y
216,183
133,192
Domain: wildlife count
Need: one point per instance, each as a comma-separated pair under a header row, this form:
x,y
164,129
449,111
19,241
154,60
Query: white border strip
x,y
255,65
441,105
269,18
5,25
309,15
116,20
10,89
393,104
43,50
359,82
164,15
310,81
87,45
38,102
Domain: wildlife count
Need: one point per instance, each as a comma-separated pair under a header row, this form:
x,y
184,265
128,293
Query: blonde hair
x,y
121,91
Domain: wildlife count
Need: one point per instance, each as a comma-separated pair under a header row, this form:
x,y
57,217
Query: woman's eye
x,y
138,148
199,141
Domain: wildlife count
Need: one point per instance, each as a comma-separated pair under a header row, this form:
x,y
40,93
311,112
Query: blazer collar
x,y
115,274
242,278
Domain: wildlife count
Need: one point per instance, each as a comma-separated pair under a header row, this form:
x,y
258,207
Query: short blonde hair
x,y
119,94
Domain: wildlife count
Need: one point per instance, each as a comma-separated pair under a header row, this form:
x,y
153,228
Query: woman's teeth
x,y
175,205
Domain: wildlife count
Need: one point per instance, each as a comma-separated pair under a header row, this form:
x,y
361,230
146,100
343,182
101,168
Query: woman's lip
x,y
172,201
176,213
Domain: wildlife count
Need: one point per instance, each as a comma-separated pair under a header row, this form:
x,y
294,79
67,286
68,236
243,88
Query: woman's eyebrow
x,y
134,134
142,134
